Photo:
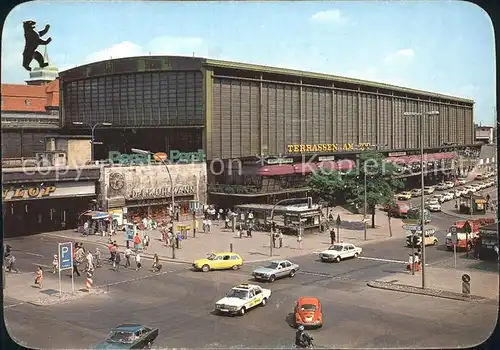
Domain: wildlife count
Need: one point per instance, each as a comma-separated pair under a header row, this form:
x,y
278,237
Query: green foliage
x,y
326,185
381,183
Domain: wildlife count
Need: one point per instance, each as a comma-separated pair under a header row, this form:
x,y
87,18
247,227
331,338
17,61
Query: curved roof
x,y
207,62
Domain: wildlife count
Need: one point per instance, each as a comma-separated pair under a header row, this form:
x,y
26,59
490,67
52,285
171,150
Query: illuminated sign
x,y
175,156
273,161
327,147
31,192
162,192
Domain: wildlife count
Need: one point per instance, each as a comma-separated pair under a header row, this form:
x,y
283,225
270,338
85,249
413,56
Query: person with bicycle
x,y
303,339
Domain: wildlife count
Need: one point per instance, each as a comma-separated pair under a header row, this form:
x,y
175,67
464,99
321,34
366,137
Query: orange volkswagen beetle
x,y
308,312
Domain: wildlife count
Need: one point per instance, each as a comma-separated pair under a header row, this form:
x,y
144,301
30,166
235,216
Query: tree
x,y
326,185
381,182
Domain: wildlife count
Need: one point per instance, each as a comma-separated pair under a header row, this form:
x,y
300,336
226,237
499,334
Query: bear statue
x,y
33,39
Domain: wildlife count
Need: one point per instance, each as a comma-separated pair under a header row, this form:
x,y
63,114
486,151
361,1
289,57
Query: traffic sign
x,y
65,256
412,227
466,278
454,238
453,230
194,205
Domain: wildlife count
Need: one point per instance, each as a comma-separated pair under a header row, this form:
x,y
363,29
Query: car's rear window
x,y
308,307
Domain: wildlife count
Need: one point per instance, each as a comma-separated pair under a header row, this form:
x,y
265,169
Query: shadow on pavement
x,y
290,319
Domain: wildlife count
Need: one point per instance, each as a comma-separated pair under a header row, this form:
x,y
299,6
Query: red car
x,y
308,312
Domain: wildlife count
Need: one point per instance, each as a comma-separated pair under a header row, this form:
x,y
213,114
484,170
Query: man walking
x,y
138,264
128,254
116,263
332,236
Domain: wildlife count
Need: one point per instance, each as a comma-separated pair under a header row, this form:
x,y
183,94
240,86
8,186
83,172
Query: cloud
x,y
331,16
404,53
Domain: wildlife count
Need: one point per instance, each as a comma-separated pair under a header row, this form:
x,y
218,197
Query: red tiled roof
x,y
40,97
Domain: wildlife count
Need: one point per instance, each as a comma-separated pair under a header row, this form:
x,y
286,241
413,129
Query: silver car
x,y
275,269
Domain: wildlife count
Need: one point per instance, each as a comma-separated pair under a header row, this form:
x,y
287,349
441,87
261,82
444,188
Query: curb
x,y
428,291
68,298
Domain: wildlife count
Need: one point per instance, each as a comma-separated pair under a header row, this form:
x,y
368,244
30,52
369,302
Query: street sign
x,y
454,237
65,256
453,230
194,205
412,227
411,221
466,278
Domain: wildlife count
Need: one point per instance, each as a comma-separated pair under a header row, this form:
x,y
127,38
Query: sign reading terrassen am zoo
x,y
162,192
327,147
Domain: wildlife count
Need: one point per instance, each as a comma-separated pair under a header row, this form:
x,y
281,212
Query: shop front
x,y
31,208
140,191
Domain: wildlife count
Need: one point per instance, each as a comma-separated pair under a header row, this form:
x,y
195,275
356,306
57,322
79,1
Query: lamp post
x,y
145,152
92,129
308,199
422,199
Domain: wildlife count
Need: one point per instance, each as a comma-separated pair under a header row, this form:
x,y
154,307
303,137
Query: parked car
x,y
404,195
448,196
478,177
129,336
433,205
308,312
469,189
429,189
450,184
219,261
416,192
439,197
461,181
340,251
442,186
458,192
275,269
242,298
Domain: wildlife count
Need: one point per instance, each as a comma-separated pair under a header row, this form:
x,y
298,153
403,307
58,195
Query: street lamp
x,y
145,152
92,128
422,199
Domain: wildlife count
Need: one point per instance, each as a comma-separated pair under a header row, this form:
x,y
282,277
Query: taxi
x,y
406,195
242,298
219,261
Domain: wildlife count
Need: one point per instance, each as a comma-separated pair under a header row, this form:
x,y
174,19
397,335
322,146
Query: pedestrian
x,y
55,264
38,277
128,254
97,256
299,240
145,242
249,231
332,236
111,253
116,263
11,263
209,225
138,264
275,236
137,242
6,253
280,239
178,240
156,263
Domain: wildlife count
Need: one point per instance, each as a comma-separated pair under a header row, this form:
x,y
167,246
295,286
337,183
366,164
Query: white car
x,y
242,298
458,192
450,184
434,205
448,196
461,181
439,198
340,251
429,189
469,189
441,187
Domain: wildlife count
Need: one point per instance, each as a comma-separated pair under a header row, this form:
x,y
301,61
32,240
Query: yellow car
x,y
219,261
404,195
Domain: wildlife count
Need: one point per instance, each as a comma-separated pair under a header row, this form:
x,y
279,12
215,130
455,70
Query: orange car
x,y
308,312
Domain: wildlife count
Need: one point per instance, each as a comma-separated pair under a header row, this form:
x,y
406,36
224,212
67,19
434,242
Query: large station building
x,y
257,125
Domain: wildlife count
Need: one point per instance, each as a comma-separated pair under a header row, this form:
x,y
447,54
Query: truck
x,y
464,240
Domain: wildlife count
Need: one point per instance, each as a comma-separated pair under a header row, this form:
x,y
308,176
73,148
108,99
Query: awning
x,y
275,170
305,168
96,215
328,165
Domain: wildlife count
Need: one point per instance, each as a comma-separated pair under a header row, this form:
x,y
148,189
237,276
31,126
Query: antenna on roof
x,y
193,53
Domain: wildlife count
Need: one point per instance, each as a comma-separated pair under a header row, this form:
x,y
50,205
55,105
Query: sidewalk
x,y
21,287
257,248
439,280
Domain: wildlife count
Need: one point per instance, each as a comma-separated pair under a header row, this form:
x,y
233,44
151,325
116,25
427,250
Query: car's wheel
x,y
292,273
272,278
235,267
205,268
242,311
337,259
435,242
263,302
356,255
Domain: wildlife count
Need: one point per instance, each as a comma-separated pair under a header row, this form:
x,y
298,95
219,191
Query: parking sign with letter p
x,y
65,256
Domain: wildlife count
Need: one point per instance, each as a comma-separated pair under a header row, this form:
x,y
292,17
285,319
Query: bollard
x,y
465,284
89,282
173,250
230,247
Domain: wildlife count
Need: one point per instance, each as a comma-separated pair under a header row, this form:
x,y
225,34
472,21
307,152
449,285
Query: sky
x,y
439,46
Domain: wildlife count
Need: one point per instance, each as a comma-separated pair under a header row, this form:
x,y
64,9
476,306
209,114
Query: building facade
x,y
250,119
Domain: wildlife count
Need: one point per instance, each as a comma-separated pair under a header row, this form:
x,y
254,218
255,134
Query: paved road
x,y
181,304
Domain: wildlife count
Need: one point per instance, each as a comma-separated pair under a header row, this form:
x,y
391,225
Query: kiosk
x,y
473,204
